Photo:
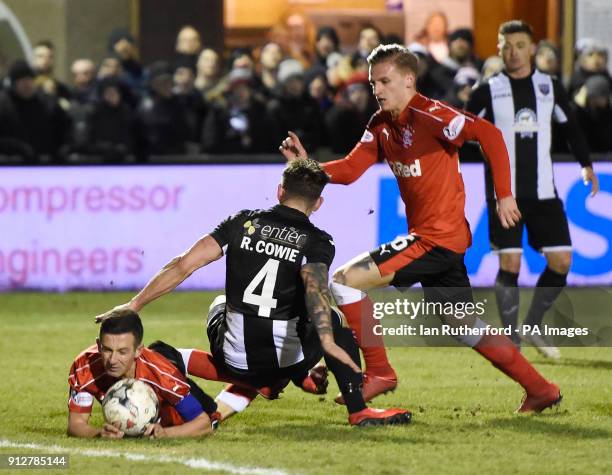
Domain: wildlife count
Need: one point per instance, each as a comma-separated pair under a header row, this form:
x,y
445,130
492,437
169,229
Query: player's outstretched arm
x,y
197,427
292,148
78,426
318,299
202,253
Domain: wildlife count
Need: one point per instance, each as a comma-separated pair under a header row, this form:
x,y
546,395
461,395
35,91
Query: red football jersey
x,y
421,148
88,380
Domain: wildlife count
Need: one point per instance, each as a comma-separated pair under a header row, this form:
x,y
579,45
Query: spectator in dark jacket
x,y
347,119
111,124
83,81
464,81
460,55
326,42
369,38
111,67
240,123
161,117
188,46
190,98
43,65
426,84
592,59
294,109
594,115
318,87
31,123
547,58
269,59
121,44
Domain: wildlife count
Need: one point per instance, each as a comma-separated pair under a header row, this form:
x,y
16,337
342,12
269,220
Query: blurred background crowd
x,y
243,101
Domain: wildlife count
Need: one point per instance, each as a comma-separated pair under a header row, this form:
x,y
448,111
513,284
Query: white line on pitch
x,y
196,463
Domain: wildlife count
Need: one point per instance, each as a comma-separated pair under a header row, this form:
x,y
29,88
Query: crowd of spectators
x,y
299,80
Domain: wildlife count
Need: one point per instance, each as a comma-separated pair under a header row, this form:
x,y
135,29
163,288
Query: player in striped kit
x,y
275,322
523,103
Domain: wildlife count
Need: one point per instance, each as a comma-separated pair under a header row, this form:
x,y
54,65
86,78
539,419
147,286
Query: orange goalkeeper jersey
x,y
421,148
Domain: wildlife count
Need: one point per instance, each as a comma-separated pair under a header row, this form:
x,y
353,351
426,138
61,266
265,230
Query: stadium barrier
x,y
113,227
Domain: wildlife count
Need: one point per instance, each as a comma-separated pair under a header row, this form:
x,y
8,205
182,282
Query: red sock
x,y
202,365
361,320
243,391
500,351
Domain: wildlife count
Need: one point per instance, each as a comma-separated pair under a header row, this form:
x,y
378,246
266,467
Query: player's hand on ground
x,y
292,148
331,349
508,212
588,175
155,431
109,431
103,316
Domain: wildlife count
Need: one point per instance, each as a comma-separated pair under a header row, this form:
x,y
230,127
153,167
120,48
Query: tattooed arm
x,y
318,299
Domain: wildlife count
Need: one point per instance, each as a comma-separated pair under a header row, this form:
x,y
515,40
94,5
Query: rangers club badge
x,y
407,137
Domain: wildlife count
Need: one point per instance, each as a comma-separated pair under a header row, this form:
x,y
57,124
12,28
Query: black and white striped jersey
x,y
266,312
524,109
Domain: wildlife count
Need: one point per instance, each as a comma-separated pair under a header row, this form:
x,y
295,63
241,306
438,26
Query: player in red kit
x,y
419,138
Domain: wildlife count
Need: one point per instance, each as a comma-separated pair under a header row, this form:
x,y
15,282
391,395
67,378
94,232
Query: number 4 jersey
x,y
265,324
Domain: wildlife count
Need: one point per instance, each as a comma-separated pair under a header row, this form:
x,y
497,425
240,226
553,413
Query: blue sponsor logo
x,y
392,222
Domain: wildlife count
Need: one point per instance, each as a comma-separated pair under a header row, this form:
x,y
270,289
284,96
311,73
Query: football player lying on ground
x,y
185,410
277,322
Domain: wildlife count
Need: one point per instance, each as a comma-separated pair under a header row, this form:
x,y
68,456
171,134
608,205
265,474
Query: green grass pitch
x,y
463,408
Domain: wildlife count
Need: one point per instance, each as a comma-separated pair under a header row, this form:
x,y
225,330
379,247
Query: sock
x,y
507,296
349,382
549,286
236,397
202,364
358,310
500,351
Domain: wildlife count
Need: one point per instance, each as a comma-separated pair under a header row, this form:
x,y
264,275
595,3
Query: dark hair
x,y
46,43
515,26
329,32
370,26
545,44
123,321
399,55
304,178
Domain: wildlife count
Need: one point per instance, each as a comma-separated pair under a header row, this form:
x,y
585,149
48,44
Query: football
x,y
131,405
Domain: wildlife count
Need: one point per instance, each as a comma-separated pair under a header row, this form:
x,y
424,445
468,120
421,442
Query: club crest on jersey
x,y
526,123
544,88
407,137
